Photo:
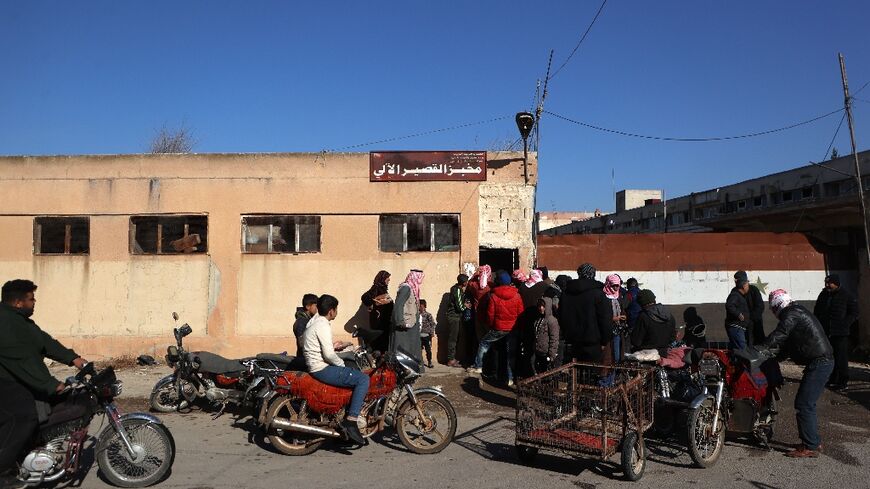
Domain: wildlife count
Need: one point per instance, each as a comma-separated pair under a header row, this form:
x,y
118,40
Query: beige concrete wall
x,y
110,303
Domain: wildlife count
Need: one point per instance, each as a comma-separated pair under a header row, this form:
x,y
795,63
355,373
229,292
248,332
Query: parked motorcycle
x,y
302,413
133,450
740,397
203,374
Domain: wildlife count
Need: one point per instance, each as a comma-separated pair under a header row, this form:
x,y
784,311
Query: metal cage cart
x,y
583,410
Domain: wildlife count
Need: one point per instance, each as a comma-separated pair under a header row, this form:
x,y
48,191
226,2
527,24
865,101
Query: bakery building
x,y
231,242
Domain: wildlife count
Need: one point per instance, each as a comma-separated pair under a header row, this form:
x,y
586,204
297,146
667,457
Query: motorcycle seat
x,y
280,361
216,364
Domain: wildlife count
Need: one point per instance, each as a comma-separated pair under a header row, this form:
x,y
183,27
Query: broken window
x,y
168,234
419,232
61,235
281,234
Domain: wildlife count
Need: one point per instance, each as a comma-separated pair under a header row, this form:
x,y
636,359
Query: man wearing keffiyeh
x,y
406,318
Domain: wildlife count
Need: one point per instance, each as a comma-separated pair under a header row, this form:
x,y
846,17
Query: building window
x,y
168,234
419,232
281,234
758,201
832,189
61,235
741,205
807,193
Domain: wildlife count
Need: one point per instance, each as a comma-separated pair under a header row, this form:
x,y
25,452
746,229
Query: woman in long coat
x,y
380,306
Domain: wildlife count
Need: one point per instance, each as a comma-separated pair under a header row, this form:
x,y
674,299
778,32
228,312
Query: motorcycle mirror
x,y
175,316
185,329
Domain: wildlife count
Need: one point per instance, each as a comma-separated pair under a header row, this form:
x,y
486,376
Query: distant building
x,y
632,199
808,198
549,220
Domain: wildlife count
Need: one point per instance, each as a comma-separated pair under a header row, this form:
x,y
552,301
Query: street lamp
x,y
525,123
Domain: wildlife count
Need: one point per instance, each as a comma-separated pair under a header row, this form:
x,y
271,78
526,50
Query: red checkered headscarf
x,y
414,280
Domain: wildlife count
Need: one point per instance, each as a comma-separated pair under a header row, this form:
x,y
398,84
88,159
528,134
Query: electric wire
x,y
856,92
419,134
824,158
692,140
583,38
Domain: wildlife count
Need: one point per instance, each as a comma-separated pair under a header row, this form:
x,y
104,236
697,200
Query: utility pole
x,y
848,103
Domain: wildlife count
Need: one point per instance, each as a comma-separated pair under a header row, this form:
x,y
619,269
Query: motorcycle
x,y
740,395
302,413
134,450
203,374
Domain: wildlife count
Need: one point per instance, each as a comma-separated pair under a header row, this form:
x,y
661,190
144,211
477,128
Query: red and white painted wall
x,y
696,270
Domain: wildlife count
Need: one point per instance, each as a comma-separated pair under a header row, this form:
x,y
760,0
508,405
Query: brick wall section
x,y
506,215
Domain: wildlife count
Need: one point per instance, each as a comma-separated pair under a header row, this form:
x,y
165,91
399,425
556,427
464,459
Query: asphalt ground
x,y
231,453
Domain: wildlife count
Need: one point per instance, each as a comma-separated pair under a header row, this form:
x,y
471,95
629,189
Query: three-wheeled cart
x,y
582,410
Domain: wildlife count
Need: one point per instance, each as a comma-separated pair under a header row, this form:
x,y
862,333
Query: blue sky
x,y
101,77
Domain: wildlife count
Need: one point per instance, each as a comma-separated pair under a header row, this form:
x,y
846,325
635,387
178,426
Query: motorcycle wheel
x,y
290,442
154,448
633,456
705,441
165,399
431,437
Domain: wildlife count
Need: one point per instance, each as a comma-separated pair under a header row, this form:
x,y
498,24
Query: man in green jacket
x,y
24,377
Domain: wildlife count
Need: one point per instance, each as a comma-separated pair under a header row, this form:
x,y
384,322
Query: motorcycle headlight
x,y
172,354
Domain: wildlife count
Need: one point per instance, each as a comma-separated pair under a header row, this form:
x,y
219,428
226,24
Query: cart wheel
x,y
526,454
633,456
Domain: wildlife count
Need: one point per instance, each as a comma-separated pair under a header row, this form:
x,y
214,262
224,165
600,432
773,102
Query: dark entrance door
x,y
500,258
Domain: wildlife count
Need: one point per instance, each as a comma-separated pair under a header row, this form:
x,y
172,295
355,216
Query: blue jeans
x,y
816,374
493,336
346,377
736,338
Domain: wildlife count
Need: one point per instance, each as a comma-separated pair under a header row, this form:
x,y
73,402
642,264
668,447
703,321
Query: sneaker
x,y
510,382
351,431
454,363
474,370
430,365
803,452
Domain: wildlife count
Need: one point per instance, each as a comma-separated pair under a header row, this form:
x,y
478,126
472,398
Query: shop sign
x,y
418,166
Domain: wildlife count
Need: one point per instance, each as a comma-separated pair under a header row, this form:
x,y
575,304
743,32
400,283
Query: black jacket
x,y
836,311
799,335
23,347
655,328
585,314
756,305
735,305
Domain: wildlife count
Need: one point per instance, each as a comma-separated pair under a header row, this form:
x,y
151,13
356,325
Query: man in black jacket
x,y
800,336
24,378
755,334
837,310
737,315
655,328
585,316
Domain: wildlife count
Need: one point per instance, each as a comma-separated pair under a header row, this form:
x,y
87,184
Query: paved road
x,y
226,454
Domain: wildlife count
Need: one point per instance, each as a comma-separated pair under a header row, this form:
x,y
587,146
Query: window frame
x,y
270,236
430,220
39,222
133,242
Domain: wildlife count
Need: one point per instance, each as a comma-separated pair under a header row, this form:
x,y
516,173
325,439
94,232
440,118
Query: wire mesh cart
x,y
587,410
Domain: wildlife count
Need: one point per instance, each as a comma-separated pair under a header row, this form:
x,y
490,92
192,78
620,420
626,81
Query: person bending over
x,y
327,367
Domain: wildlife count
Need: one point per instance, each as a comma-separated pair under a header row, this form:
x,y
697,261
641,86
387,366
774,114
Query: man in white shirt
x,y
327,367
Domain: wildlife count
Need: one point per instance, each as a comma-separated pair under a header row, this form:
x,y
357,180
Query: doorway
x,y
500,258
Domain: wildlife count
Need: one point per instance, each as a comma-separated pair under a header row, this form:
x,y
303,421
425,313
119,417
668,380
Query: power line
x,y
419,134
856,92
860,100
819,176
583,38
692,140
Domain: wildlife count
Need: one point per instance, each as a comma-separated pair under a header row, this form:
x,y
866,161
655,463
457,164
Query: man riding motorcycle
x,y
27,387
327,367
